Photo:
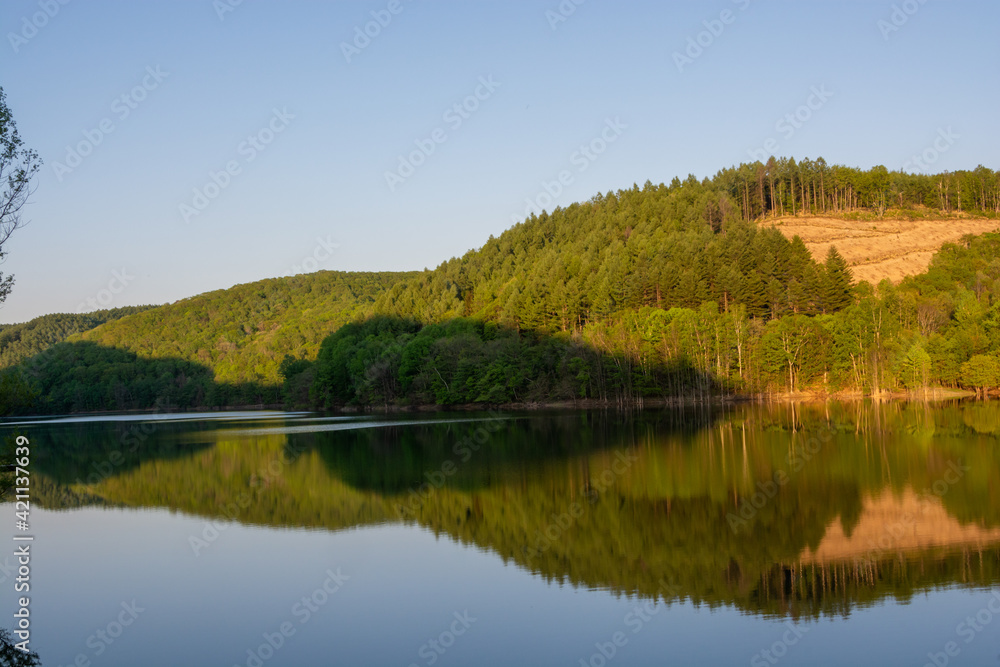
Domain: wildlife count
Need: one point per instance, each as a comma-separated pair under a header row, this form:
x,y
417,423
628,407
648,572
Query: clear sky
x,y
309,132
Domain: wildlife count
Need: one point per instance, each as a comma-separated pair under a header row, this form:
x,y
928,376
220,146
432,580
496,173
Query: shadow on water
x,y
495,448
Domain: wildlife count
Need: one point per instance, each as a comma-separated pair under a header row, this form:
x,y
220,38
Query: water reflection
x,y
777,510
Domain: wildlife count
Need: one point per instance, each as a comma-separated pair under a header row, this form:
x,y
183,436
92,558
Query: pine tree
x,y
836,293
754,295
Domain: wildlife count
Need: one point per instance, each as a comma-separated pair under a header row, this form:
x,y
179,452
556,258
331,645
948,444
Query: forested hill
x,y
678,291
681,244
243,333
659,246
21,341
220,348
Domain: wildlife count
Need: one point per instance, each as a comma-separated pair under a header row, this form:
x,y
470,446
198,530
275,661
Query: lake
x,y
817,534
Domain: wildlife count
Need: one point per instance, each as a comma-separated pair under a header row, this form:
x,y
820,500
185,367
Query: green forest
x,y
218,348
640,295
23,341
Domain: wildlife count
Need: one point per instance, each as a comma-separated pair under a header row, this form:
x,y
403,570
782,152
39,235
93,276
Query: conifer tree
x,y
836,294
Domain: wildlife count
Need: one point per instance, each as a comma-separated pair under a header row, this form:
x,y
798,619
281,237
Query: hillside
x,y
220,348
21,341
679,245
243,333
891,248
684,244
659,292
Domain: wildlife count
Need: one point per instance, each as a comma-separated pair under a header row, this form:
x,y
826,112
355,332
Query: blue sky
x,y
267,90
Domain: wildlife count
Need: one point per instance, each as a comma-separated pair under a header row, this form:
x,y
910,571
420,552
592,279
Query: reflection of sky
x,y
154,417
404,587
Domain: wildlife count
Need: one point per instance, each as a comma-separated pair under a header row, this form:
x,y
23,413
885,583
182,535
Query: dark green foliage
x,y
228,347
16,394
837,281
21,341
920,334
660,246
83,376
15,657
385,360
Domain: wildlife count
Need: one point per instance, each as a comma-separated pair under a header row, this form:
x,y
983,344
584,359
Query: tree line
x,y
782,186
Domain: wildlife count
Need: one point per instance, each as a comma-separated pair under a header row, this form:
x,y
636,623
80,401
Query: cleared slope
x,y
889,248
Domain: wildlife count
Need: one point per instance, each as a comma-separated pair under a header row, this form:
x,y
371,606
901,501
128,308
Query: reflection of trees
x,y
77,452
663,519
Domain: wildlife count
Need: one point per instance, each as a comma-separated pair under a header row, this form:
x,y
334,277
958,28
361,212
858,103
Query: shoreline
x,y
929,395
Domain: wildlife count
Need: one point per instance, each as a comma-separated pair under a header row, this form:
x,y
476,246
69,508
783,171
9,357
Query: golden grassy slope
x,y
889,248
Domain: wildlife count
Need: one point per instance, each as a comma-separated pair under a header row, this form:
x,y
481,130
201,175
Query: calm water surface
x,y
812,535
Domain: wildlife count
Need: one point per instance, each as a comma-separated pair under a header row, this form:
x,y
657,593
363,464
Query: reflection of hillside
x,y
663,518
633,547
254,480
897,526
78,452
